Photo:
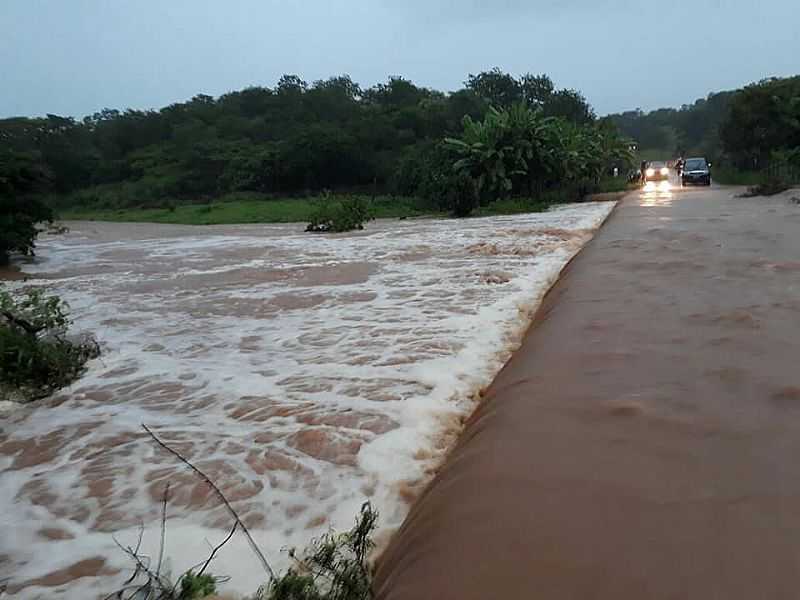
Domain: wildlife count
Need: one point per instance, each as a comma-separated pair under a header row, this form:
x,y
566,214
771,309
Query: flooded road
x,y
643,440
304,374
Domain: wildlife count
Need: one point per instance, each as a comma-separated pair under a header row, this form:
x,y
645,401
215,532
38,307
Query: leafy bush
x,y
36,357
336,215
334,567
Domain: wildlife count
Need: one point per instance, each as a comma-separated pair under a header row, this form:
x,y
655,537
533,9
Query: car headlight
x,y
665,171
650,172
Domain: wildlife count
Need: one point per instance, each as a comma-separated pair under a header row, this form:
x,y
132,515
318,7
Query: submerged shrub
x,y
336,215
194,586
36,356
334,567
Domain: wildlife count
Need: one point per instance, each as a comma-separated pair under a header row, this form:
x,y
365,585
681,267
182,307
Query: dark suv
x,y
696,171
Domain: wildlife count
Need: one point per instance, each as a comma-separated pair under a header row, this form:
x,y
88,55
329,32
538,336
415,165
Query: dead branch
x,y
217,547
163,529
141,567
222,498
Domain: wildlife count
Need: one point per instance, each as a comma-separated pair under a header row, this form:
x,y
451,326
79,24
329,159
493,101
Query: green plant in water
x,y
194,586
337,215
334,567
36,358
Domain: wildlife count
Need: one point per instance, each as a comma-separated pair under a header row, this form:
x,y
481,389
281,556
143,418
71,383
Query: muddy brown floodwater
x,y
304,374
643,441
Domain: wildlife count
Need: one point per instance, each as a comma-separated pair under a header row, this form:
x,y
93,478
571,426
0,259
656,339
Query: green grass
x,y
254,210
730,176
512,206
297,210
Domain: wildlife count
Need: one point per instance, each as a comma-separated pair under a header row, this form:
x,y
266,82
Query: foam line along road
x,y
642,442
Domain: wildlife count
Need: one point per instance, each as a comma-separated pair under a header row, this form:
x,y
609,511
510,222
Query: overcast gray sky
x,y
74,57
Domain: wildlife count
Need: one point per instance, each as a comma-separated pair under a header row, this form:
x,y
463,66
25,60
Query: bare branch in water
x,y
216,549
222,498
163,530
141,567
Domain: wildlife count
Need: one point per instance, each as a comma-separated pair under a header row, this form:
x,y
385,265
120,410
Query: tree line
x,y
290,139
746,129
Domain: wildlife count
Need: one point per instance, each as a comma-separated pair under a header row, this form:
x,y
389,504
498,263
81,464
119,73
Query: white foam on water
x,y
306,374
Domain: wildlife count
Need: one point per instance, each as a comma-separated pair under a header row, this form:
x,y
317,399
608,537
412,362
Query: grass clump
x,y
36,355
337,215
194,586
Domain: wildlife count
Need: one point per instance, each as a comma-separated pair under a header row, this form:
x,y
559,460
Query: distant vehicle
x,y
696,171
656,171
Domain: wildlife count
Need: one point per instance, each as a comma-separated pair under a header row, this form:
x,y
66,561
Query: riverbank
x,y
641,441
257,209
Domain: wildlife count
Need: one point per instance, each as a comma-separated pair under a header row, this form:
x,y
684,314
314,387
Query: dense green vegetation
x,y
750,134
22,180
247,155
36,356
690,130
299,140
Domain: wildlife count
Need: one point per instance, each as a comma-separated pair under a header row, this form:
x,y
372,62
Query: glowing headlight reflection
x,y
657,194
665,171
658,186
650,172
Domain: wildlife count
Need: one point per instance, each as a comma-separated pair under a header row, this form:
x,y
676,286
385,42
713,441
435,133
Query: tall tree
x,y
21,175
499,89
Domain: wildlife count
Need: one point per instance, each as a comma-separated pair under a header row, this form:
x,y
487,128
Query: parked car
x,y
656,171
696,171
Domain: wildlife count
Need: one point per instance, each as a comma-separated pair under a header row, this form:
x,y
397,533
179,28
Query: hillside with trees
x,y
744,129
299,139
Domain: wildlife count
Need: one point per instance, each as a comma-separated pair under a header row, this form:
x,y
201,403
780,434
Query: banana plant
x,y
519,146
488,154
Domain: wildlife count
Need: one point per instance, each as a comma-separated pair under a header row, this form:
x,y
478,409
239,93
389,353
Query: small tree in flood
x,y
337,215
21,175
36,357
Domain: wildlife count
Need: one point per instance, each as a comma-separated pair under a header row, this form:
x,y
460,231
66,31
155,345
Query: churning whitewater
x,y
304,374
